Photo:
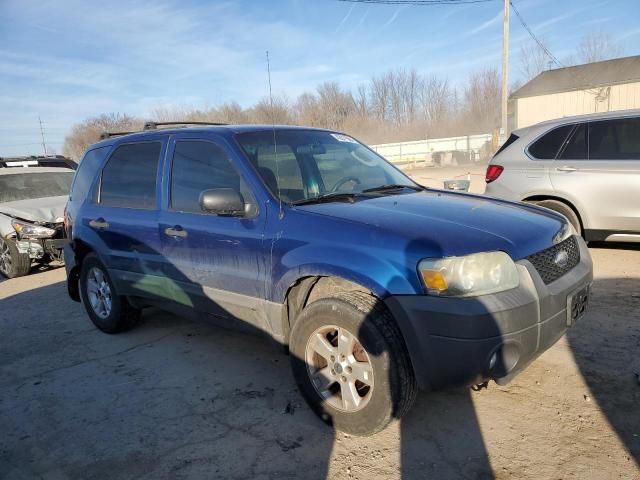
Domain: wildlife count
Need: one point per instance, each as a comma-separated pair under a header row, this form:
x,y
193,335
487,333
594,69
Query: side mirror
x,y
222,201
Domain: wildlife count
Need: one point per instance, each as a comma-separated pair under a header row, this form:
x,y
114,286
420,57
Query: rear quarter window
x,y
512,138
548,146
86,172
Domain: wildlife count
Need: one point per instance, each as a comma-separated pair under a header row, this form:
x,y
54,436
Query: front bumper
x,y
50,248
465,341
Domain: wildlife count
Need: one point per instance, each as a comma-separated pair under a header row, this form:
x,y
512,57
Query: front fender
x,y
380,274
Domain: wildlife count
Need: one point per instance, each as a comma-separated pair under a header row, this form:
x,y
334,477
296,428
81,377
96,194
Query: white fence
x,y
438,151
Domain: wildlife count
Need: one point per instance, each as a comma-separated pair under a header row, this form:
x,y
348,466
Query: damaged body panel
x,y
32,202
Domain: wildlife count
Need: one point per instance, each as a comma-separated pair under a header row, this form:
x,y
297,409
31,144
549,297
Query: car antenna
x,y
275,146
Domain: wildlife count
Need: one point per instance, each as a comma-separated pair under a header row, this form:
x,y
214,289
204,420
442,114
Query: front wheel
x,y
13,263
350,362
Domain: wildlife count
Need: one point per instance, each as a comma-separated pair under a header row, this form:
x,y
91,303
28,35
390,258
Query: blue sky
x,y
67,60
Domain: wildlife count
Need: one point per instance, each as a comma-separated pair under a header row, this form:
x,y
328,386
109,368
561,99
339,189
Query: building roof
x,y
580,77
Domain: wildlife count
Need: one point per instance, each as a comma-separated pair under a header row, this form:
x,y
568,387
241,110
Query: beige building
x,y
594,87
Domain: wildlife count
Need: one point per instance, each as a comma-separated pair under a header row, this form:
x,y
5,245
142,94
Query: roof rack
x,y
154,125
105,135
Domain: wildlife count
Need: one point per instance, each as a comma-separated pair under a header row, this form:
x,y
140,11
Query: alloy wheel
x,y
339,368
99,292
5,258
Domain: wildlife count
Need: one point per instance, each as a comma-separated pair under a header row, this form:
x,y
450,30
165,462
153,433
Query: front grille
x,y
545,261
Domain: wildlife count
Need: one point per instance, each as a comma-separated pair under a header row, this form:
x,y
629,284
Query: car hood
x,y
450,224
48,209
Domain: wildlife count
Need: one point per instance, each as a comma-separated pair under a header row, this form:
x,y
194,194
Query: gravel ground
x,y
176,399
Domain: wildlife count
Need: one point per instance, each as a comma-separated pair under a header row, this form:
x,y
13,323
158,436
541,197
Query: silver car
x,y
32,202
586,168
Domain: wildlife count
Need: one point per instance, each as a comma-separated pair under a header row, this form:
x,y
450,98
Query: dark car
x,y
377,285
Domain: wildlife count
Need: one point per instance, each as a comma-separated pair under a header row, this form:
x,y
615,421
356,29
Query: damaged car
x,y
32,201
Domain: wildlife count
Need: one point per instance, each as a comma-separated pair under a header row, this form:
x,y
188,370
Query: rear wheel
x,y
108,311
350,362
13,263
563,209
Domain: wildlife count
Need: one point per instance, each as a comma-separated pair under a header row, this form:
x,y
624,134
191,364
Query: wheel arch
x,y
572,205
306,290
80,251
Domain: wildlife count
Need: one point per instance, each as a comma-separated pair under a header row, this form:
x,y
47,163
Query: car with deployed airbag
x,y
376,285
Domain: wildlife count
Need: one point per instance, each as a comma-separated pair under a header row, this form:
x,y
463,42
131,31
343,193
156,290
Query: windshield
x,y
24,186
311,164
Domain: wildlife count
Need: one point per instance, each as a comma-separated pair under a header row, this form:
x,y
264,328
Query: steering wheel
x,y
344,180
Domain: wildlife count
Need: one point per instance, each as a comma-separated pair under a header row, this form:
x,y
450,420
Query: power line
x,y
535,39
546,50
418,2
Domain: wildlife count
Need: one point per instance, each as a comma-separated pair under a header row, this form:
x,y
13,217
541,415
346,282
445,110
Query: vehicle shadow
x,y
606,348
177,398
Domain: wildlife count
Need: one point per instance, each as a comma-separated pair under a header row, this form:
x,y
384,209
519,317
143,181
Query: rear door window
x,y
576,147
548,146
86,172
202,165
617,139
129,177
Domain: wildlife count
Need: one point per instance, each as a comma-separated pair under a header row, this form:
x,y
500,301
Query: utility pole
x,y
505,69
44,146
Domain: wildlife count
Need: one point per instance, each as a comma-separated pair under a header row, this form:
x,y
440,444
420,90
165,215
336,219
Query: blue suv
x,y
376,285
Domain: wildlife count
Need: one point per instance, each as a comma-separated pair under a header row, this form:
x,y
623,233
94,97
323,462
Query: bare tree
x,y
334,104
380,96
88,131
533,60
436,100
482,101
361,101
598,46
277,113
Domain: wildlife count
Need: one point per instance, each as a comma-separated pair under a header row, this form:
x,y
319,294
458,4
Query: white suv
x,y
586,167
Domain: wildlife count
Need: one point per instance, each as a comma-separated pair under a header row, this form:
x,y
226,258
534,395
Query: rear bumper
x,y
467,341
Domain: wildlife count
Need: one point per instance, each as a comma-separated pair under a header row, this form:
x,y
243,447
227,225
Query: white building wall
x,y
423,150
533,110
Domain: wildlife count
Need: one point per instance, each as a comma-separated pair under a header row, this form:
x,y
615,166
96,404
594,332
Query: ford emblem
x,y
561,259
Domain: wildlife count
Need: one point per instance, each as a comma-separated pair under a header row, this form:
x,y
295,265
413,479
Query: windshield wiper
x,y
392,186
328,197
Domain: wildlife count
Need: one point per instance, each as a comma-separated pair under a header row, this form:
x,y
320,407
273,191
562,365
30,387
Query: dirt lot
x,y
177,399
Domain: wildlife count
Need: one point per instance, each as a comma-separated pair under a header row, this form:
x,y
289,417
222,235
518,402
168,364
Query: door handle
x,y
99,224
175,232
566,168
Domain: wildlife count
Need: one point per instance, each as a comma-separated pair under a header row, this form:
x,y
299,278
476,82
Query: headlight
x,y
469,276
28,230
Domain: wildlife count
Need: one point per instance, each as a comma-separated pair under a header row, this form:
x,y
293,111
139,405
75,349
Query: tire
x,y
13,263
563,209
392,390
96,288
